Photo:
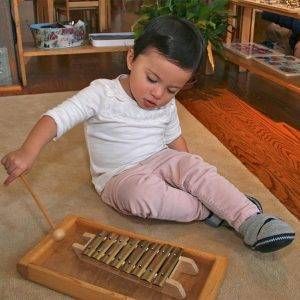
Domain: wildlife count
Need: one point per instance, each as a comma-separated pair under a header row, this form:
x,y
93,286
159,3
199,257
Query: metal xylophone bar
x,y
148,261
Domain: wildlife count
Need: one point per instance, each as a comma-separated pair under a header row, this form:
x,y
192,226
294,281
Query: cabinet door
x,y
8,57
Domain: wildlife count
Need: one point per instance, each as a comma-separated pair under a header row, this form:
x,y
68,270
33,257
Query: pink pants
x,y
178,186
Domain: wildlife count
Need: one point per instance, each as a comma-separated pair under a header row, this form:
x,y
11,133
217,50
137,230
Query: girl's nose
x,y
157,92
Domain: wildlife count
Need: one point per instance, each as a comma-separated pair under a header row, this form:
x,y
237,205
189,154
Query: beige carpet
x,y
61,178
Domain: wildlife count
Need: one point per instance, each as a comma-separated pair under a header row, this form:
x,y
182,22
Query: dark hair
x,y
177,39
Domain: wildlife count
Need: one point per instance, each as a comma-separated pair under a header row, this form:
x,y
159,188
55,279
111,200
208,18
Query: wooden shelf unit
x,y
25,52
246,29
291,12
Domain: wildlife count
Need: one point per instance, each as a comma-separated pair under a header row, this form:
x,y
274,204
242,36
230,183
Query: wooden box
x,y
54,264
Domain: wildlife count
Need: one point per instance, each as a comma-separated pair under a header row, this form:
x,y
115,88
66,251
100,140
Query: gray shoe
x,y
266,233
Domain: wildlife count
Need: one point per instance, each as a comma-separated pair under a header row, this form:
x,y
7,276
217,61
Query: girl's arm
x,y
54,123
19,161
179,144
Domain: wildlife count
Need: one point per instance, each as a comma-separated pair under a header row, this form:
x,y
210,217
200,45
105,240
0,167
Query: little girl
x,y
139,160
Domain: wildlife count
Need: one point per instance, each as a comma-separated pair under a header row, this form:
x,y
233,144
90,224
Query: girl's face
x,y
153,80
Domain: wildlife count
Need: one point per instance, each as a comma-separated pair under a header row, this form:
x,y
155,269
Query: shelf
x,y
10,88
291,12
291,83
30,50
25,52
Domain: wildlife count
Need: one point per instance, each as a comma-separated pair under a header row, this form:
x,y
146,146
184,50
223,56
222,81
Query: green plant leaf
x,y
211,19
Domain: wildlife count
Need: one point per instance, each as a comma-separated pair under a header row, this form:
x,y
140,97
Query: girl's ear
x,y
130,56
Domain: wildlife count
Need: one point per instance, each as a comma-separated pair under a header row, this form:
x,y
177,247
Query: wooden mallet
x,y
58,234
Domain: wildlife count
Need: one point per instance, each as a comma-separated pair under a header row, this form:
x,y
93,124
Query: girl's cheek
x,y
145,86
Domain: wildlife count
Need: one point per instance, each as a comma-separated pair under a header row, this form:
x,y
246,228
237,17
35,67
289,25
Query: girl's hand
x,y
21,160
16,163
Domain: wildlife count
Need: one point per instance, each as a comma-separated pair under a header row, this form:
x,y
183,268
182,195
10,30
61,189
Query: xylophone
x,y
98,261
144,262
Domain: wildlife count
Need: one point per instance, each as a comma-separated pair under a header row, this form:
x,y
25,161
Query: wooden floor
x,y
266,142
256,120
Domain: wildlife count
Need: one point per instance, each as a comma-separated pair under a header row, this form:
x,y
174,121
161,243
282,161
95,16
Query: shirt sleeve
x,y
76,109
173,129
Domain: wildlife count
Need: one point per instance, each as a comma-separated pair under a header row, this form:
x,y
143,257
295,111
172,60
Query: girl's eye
x,y
151,79
172,92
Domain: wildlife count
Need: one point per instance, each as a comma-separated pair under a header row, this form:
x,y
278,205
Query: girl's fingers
x,y
15,174
10,164
7,162
3,160
15,164
11,169
9,180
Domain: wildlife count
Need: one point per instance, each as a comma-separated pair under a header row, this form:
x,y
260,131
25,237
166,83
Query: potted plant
x,y
211,18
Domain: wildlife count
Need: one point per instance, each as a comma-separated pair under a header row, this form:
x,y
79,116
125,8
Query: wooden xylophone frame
x,y
171,286
55,264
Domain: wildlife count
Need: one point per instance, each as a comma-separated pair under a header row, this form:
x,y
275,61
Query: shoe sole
x,y
273,243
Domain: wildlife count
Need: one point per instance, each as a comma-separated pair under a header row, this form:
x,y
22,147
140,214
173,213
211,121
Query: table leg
x,y
247,28
247,25
231,23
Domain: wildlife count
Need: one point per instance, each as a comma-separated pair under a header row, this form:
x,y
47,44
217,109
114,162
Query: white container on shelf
x,y
112,39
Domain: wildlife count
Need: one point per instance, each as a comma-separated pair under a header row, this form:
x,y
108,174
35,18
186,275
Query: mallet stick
x,y
37,201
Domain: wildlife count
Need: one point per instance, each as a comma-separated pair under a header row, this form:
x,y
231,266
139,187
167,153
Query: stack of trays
x,y
286,65
250,50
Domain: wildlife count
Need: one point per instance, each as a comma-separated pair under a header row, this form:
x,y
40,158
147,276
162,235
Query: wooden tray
x,y
54,264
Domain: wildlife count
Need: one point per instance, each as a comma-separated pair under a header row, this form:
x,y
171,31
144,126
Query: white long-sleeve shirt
x,y
119,134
